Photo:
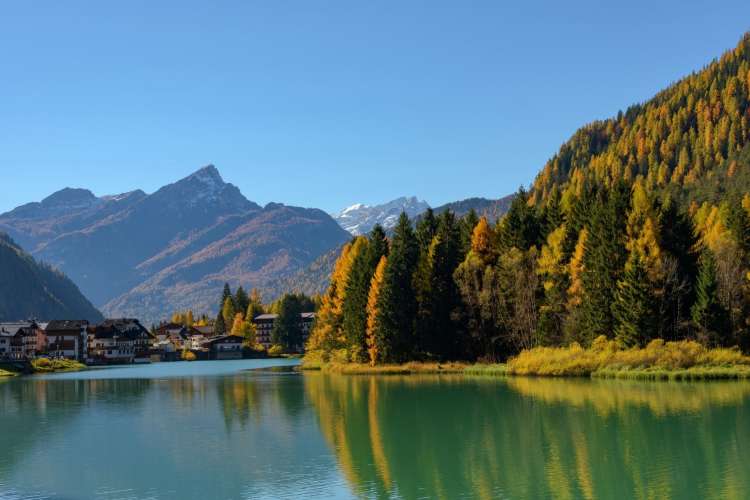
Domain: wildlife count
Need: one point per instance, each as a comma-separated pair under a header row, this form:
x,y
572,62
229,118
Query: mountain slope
x,y
360,219
683,141
32,290
146,255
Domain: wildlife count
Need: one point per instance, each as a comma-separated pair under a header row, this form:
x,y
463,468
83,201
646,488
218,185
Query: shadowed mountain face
x,y
146,255
29,289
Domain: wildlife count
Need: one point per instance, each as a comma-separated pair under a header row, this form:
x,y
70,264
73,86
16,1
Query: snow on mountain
x,y
360,219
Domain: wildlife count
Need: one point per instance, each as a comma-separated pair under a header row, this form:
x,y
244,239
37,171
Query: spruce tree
x,y
426,229
708,315
220,327
603,262
633,309
437,294
468,223
396,301
354,310
241,300
520,228
225,294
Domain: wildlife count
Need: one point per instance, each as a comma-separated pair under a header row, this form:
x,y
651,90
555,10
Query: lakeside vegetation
x,y
46,365
637,232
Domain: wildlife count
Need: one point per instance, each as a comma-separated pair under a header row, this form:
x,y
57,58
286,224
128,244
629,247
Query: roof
x,y
127,327
305,315
205,330
66,324
10,329
224,338
266,316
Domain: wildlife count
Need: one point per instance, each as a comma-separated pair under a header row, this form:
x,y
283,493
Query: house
x,y
21,339
67,338
175,334
225,347
122,340
205,330
264,325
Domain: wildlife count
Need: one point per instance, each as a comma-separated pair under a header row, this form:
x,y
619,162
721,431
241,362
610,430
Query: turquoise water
x,y
214,429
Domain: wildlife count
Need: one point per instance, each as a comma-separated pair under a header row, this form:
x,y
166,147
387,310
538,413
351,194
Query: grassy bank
x,y
659,360
44,365
401,369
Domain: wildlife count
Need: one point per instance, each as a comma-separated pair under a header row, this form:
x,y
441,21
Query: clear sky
x,y
327,103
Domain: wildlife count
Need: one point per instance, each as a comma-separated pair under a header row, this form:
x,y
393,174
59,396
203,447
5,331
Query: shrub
x,y
275,350
188,356
42,363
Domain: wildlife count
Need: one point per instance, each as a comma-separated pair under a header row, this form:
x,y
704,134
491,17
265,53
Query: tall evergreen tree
x,y
633,309
708,315
520,228
426,229
438,298
287,329
226,293
241,300
603,262
396,302
468,223
220,327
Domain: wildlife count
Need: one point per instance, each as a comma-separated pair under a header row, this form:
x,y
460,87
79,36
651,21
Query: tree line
x,y
621,261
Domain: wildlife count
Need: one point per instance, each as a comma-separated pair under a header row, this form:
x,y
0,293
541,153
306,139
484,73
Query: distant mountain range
x,y
145,255
29,289
360,219
314,278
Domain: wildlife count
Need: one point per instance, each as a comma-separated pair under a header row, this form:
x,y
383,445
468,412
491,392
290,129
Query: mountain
x,y
360,219
145,255
492,209
686,142
29,289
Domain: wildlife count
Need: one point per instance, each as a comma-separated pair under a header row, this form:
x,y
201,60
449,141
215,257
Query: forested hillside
x,y
637,229
32,290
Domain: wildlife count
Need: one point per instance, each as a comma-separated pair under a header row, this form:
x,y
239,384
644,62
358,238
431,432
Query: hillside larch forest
x,y
637,229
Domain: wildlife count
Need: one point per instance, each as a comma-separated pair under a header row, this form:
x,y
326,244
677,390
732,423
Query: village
x,y
126,341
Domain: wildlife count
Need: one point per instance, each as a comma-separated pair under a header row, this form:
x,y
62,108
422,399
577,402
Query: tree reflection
x,y
448,437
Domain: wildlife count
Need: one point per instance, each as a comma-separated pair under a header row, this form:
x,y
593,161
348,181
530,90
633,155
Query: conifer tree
x,y
241,300
287,329
225,294
603,262
220,327
633,307
396,301
228,311
375,339
468,223
708,315
426,229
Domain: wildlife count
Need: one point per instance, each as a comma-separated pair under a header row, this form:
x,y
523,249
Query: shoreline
x,y
695,373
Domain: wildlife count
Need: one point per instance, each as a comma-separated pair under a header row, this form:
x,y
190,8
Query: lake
x,y
214,429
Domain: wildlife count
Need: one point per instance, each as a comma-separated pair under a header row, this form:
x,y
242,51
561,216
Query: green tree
x,y
220,327
228,311
287,329
396,301
633,309
241,300
708,315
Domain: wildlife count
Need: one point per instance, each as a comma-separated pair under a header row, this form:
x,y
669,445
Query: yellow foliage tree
x,y
327,335
481,240
576,270
372,309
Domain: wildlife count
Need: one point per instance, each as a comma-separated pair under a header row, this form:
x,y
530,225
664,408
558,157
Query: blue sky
x,y
327,103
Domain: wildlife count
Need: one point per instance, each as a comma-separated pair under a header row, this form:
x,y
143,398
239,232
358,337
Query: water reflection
x,y
276,435
450,437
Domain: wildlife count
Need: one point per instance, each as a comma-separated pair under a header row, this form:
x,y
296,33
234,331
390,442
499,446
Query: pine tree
x,y
354,312
226,293
520,228
220,327
287,329
426,229
708,315
228,311
438,298
241,300
633,309
374,336
396,302
603,262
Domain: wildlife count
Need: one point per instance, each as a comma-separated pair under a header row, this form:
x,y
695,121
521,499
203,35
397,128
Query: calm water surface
x,y
208,430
